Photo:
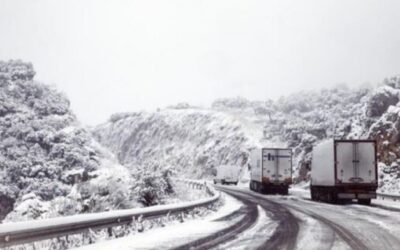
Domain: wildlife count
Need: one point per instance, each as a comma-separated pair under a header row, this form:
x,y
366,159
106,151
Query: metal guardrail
x,y
389,196
18,233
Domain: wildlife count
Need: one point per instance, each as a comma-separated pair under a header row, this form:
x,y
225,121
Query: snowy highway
x,y
304,224
250,220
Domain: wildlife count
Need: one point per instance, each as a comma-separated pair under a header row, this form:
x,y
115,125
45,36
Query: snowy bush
x,y
393,81
153,185
380,100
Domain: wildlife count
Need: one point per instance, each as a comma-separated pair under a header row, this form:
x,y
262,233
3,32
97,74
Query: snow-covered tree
x,y
44,153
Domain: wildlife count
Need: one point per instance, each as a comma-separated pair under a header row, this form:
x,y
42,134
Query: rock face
x,y
43,150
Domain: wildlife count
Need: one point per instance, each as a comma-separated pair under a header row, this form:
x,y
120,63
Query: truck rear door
x,y
285,164
355,162
277,164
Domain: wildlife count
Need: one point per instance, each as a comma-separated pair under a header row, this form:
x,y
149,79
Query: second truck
x,y
271,170
343,170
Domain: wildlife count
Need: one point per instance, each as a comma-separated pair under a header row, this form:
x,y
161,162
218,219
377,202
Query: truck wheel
x,y
334,197
343,201
285,191
329,197
313,194
215,182
364,202
258,187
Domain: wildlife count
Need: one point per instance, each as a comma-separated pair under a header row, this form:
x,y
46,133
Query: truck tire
x,y
313,194
343,201
215,182
364,201
258,187
334,197
285,191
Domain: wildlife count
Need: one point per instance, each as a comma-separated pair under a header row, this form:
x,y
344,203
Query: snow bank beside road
x,y
173,235
386,203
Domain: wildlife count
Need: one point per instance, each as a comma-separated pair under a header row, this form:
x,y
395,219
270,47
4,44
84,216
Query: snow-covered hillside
x,y
196,140
51,166
189,140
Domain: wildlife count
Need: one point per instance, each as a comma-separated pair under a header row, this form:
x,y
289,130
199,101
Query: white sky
x,y
113,56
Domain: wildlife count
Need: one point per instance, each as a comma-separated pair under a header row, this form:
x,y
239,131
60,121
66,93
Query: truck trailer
x,y
227,174
271,170
343,170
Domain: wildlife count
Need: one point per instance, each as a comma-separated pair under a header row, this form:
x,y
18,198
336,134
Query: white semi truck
x,y
227,174
271,170
344,170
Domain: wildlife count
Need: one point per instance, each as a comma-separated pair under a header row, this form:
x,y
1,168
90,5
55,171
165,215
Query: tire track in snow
x,y
314,234
353,226
250,215
255,236
285,234
346,235
343,233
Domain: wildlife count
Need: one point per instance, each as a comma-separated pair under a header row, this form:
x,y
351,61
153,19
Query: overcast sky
x,y
113,56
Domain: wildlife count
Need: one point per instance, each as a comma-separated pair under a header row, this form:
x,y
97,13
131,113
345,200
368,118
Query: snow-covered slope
x,y
189,140
49,165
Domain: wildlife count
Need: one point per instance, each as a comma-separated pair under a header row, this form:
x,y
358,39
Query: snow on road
x,y
321,226
255,236
380,203
327,226
376,228
316,235
176,234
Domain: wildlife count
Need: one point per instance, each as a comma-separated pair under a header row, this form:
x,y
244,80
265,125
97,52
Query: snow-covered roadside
x,y
300,192
175,234
256,235
305,194
386,203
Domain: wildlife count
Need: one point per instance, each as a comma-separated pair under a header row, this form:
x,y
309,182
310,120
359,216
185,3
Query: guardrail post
x,y
110,232
181,220
139,222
